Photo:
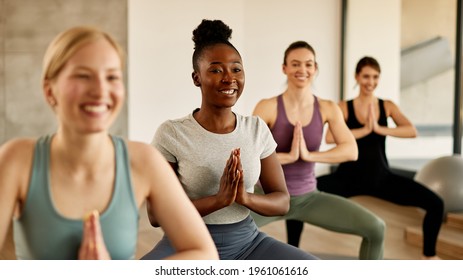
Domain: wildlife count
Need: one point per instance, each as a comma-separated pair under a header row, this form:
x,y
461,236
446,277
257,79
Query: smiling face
x,y
367,79
88,92
220,76
300,67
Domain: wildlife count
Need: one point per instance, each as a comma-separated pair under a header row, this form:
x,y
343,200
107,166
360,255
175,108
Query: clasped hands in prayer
x,y
232,187
371,124
298,146
93,246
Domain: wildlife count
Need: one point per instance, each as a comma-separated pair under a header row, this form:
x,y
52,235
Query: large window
x,y
417,46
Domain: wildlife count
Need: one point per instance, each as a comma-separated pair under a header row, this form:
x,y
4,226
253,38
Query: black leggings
x,y
393,188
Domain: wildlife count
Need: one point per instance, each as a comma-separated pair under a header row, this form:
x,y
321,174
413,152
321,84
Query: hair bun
x,y
209,31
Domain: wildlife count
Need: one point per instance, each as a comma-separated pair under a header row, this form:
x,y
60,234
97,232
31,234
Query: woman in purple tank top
x,y
296,119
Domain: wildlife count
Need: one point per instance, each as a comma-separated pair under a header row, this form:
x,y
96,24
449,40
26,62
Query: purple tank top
x,y
300,175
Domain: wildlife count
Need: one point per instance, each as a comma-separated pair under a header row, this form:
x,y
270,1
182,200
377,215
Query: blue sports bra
x,y
42,233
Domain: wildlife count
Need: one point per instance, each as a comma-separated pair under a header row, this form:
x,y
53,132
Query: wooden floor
x,y
314,239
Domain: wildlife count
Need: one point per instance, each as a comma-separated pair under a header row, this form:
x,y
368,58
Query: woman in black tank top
x,y
366,116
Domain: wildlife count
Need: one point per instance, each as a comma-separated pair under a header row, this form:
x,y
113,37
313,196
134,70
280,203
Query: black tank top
x,y
372,163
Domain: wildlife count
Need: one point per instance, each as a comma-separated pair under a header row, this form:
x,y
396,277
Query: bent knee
x,y
377,229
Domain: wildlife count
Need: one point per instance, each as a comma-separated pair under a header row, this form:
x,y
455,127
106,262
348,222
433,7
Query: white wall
x,y
160,50
373,29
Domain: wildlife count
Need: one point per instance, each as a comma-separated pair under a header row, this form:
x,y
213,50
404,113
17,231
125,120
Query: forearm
x,y
408,131
271,204
339,153
360,132
357,132
286,158
209,204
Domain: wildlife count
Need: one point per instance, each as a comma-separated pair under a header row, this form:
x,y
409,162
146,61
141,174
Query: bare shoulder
x,y
143,155
343,105
269,100
329,109
16,151
16,158
147,165
266,109
389,103
266,103
390,107
146,159
326,103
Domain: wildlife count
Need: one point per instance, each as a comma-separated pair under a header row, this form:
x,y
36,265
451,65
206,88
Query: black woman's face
x,y
220,75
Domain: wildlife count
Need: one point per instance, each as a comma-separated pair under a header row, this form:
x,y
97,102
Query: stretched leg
x,y
293,227
327,183
407,192
335,185
263,220
294,230
339,214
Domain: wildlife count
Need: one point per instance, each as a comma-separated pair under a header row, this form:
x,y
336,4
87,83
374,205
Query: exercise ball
x,y
444,176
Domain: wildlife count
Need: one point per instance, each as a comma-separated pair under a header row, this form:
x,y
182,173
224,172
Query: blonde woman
x,y
48,185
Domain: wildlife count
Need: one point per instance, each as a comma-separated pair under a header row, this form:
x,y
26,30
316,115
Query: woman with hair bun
x,y
219,156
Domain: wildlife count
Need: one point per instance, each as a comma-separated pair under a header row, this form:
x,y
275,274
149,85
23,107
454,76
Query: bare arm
x,y
275,201
171,208
346,147
15,162
294,153
266,109
404,128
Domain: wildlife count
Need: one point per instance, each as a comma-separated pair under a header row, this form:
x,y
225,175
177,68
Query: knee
x,y
435,206
439,203
377,229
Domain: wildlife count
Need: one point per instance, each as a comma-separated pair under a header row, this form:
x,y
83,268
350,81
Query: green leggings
x,y
338,214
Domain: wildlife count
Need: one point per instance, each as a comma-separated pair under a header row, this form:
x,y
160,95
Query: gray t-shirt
x,y
201,157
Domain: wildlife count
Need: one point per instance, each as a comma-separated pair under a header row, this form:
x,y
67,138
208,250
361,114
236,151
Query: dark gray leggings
x,y
239,241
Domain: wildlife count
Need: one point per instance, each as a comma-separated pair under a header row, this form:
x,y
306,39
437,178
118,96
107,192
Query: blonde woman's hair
x,y
67,43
